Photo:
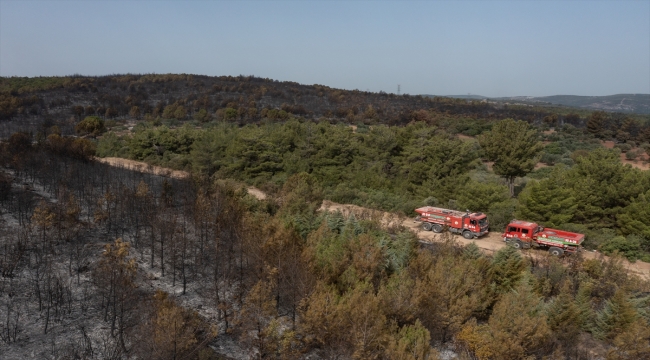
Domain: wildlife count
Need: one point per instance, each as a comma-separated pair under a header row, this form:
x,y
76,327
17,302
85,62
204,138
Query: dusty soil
x,y
144,167
642,161
489,243
161,171
465,137
257,193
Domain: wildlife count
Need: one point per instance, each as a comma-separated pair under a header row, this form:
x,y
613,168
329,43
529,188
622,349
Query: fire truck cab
x,y
525,234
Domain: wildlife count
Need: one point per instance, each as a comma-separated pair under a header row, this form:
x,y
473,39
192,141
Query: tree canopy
x,y
514,147
92,125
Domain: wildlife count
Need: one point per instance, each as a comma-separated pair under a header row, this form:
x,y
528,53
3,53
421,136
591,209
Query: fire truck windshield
x,y
482,222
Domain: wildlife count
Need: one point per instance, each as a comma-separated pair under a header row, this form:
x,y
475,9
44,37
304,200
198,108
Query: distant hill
x,y
43,102
628,103
625,103
34,104
468,96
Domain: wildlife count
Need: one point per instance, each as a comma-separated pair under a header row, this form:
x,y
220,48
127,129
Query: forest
x,y
585,188
103,262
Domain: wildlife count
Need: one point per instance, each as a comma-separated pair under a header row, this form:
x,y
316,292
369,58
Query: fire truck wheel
x,y
555,251
468,235
436,228
426,226
517,244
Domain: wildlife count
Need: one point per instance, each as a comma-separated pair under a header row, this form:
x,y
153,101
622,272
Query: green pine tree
x,y
615,317
583,302
336,221
549,201
514,148
601,185
564,316
472,251
506,269
596,123
411,342
635,218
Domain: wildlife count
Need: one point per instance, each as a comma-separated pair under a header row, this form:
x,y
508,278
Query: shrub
x,y
646,147
631,155
478,196
629,247
82,149
501,213
566,161
550,159
92,125
202,116
109,145
541,173
578,154
623,147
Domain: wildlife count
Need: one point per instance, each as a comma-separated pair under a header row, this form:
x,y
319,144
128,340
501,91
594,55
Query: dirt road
x,y
161,171
143,167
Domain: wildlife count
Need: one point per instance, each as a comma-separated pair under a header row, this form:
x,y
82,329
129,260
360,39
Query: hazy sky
x,y
491,48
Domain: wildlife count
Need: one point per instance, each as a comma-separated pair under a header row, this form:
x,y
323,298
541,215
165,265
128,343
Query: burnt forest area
x,y
55,100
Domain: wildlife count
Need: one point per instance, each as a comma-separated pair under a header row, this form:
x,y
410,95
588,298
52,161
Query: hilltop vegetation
x,y
241,99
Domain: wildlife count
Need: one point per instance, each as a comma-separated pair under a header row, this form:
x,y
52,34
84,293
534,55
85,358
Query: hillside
x,y
140,236
623,103
239,99
626,103
113,263
468,96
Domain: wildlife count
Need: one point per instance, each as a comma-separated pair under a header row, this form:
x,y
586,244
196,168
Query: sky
x,y
485,47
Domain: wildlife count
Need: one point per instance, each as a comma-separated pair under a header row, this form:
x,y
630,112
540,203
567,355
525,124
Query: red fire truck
x,y
470,225
524,235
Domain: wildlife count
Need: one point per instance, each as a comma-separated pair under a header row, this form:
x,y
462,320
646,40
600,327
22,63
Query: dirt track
x,y
161,171
143,167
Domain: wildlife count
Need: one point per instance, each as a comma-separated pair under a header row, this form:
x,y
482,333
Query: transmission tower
x,y
398,89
